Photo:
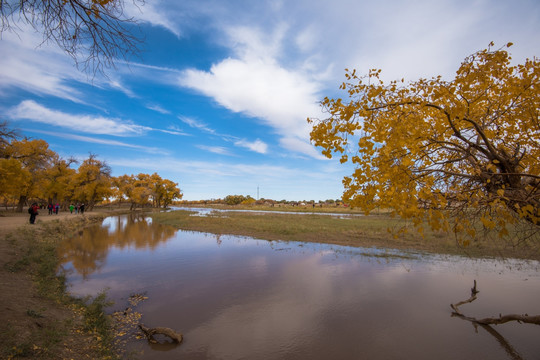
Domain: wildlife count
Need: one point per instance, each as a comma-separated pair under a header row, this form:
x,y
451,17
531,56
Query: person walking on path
x,y
71,207
33,211
82,209
50,208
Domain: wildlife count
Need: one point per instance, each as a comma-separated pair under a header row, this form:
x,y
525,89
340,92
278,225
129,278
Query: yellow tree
x,y
135,189
164,191
169,192
26,162
58,181
449,152
122,188
143,190
92,183
11,172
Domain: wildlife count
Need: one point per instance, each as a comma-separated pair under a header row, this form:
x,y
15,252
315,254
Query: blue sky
x,y
218,98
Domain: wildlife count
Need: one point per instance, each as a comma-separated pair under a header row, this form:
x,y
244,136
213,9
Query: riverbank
x,y
38,319
345,227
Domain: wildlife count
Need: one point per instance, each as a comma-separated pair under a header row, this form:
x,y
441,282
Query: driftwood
x,y
528,319
150,332
486,323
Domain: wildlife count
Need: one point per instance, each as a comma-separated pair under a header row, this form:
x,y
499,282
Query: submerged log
x,y
501,319
150,332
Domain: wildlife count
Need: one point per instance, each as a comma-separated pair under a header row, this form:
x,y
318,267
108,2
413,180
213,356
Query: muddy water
x,y
241,298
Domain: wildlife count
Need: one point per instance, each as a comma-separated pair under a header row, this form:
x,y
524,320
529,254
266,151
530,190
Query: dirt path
x,y
23,312
10,221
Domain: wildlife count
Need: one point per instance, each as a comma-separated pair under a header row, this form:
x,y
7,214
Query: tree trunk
x,y
22,202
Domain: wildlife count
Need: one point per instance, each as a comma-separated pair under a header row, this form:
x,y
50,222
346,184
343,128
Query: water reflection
x,y
87,251
203,211
240,298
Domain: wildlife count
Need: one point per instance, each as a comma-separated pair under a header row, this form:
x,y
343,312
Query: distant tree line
x,y
31,172
248,200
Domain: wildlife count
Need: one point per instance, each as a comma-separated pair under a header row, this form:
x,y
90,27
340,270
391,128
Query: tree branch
x,y
150,332
528,319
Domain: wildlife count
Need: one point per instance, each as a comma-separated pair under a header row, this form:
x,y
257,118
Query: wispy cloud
x,y
44,71
158,108
117,85
196,124
215,149
153,14
173,130
256,146
32,111
93,140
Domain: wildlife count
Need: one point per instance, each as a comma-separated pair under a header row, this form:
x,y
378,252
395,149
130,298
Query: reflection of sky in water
x,y
236,297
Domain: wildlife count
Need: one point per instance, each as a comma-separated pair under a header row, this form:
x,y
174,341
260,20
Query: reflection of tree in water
x,y
87,251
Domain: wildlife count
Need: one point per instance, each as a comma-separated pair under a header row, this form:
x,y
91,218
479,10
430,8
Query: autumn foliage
x,y
30,171
462,155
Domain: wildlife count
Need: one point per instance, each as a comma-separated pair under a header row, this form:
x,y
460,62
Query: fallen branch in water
x,y
150,332
528,319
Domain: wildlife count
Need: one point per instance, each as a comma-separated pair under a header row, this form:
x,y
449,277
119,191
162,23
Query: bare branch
x,y
528,319
94,33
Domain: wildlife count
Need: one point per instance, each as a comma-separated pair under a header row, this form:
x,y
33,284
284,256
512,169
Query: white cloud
x,y
260,88
117,85
196,124
173,130
46,69
215,149
43,71
88,139
256,146
30,110
301,146
158,108
153,14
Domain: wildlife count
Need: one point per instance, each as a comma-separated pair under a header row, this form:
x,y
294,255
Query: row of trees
x,y
248,200
30,171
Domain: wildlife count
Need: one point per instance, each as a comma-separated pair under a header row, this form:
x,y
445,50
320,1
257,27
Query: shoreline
x,y
38,317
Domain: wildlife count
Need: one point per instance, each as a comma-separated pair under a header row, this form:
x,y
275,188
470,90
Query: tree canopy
x,y
30,171
461,154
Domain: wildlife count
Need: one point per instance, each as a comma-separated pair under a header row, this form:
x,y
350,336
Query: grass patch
x,y
56,321
360,231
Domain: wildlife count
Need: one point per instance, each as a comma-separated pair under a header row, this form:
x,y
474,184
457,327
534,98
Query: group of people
x,y
33,210
53,209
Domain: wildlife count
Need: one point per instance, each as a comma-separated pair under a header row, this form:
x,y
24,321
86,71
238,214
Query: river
x,y
241,298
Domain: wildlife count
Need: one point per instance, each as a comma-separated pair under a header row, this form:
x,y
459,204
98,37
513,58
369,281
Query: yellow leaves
x,y
487,222
491,167
431,147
